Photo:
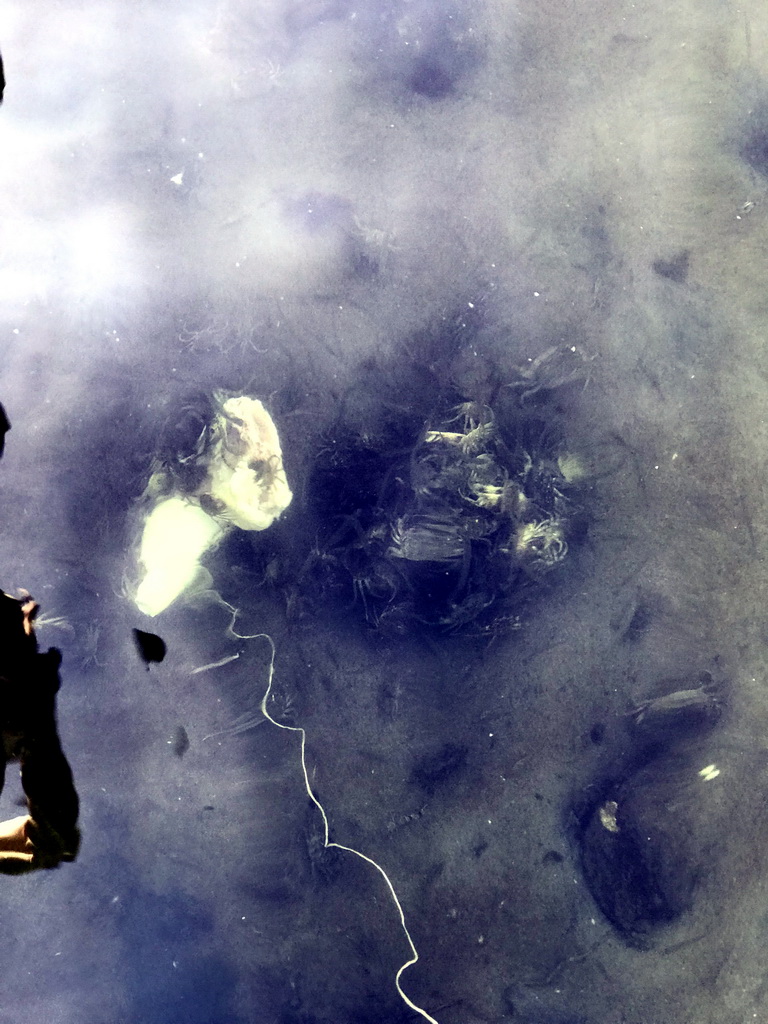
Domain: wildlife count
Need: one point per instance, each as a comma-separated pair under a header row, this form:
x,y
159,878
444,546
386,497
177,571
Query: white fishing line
x,y
328,844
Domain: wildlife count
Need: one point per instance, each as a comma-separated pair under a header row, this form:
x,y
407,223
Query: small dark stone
x,y
754,149
638,624
180,741
597,732
552,857
675,268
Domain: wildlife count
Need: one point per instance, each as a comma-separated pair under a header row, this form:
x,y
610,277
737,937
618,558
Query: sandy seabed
x,y
353,212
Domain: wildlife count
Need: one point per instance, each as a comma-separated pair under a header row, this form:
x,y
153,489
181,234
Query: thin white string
x,y
414,957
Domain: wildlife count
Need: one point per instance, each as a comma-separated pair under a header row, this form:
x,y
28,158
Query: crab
x,y
462,613
697,705
428,538
555,368
540,545
488,486
477,429
472,415
373,588
91,642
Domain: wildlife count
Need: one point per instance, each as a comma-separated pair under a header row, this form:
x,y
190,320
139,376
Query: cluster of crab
x,y
469,487
474,515
477,521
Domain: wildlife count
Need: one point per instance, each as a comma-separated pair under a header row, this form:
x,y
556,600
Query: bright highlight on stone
x,y
246,466
245,486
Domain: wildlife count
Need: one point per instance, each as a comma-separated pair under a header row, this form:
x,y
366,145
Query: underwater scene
x,y
384,511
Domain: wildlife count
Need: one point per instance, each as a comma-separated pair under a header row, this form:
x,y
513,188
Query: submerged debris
x,y
5,423
648,843
150,646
